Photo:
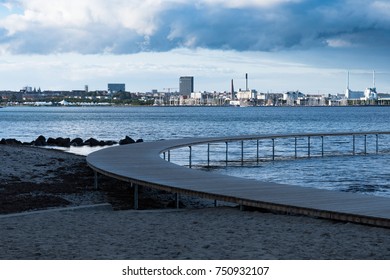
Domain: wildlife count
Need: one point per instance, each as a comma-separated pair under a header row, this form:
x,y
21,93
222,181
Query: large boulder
x,y
126,141
77,142
139,141
63,142
92,142
40,141
59,141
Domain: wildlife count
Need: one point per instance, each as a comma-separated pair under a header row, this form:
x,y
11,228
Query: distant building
x,y
246,94
114,88
368,94
291,97
27,89
186,85
354,95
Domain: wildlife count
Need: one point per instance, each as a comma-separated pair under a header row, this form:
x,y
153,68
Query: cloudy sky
x,y
306,45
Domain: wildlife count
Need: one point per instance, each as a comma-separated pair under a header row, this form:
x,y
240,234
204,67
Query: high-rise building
x,y
186,85
114,88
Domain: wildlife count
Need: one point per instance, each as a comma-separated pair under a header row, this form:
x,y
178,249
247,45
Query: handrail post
x,y
190,159
273,149
365,144
242,152
164,155
377,144
295,146
227,149
208,154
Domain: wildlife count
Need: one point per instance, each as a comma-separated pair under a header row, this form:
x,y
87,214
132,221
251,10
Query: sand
x,y
190,233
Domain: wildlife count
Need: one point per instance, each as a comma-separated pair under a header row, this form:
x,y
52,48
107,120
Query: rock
x,y
109,143
126,141
40,141
139,141
51,141
2,142
63,142
11,142
59,141
92,142
77,142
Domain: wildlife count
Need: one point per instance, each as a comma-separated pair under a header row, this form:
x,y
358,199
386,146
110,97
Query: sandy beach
x,y
33,179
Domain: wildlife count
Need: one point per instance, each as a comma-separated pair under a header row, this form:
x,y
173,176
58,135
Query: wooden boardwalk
x,y
141,164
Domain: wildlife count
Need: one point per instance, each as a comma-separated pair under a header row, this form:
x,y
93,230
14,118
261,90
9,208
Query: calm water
x,y
369,174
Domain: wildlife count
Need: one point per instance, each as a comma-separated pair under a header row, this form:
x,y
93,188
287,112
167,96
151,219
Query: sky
x,y
306,45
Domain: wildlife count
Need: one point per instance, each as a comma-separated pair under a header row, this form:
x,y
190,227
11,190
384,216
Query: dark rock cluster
x,y
41,141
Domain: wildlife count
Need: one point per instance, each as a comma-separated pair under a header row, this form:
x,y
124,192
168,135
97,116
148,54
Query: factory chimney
x,y
232,89
246,80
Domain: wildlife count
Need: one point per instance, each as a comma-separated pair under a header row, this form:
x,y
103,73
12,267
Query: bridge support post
x,y
169,156
308,147
257,151
96,183
322,146
177,200
353,145
135,188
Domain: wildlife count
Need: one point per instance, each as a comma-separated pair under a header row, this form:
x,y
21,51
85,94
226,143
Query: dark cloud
x,y
295,25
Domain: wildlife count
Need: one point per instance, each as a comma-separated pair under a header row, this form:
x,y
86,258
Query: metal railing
x,y
281,146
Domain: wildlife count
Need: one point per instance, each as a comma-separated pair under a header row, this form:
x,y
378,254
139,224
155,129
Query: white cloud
x,y
381,8
136,15
247,3
338,43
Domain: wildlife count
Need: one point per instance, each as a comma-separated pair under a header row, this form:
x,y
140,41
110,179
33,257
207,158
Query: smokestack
x,y
246,79
232,89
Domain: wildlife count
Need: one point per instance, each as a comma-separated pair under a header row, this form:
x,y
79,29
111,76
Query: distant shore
x,y
34,178
186,106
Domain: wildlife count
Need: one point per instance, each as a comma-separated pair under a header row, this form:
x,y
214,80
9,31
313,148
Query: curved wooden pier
x,y
141,165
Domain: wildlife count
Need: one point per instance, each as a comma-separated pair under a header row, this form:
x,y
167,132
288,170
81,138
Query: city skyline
x,y
283,45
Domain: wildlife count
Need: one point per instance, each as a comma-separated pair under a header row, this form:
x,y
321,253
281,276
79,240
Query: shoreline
x,y
195,232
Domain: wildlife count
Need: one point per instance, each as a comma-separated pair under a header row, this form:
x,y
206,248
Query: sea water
x,y
368,174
